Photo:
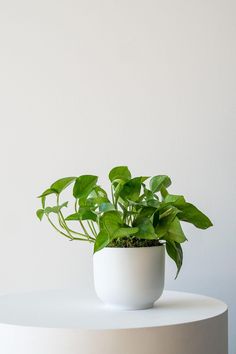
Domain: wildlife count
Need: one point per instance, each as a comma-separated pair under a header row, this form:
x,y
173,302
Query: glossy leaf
x,y
102,240
47,192
100,192
125,231
175,251
148,194
153,203
84,185
75,216
147,211
144,178
164,192
146,229
167,214
107,206
61,184
170,230
157,182
83,214
131,189
92,202
193,215
120,173
175,199
117,189
40,214
111,221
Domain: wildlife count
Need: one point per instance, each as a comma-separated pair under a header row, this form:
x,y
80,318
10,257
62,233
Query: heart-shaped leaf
x,y
111,221
157,182
61,184
131,189
40,214
119,173
84,185
102,240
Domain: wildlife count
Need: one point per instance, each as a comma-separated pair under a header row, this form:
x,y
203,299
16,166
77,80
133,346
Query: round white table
x,y
68,322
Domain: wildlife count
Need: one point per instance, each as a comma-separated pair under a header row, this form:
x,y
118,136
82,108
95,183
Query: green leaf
x,y
84,185
43,200
83,214
164,192
75,216
104,207
144,178
157,182
92,202
170,230
147,211
102,240
125,231
55,209
40,214
156,218
148,194
175,199
153,203
146,229
117,189
111,221
47,192
87,202
175,251
131,189
193,215
167,214
120,173
100,192
87,214
61,184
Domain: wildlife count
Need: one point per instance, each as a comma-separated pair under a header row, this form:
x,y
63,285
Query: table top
x,y
72,310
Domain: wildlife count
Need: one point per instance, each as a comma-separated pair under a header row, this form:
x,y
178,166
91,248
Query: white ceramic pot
x,y
129,278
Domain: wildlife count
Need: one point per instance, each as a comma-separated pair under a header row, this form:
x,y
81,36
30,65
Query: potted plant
x,y
130,231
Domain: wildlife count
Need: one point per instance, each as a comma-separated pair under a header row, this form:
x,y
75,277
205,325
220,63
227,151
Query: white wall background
x,y
86,85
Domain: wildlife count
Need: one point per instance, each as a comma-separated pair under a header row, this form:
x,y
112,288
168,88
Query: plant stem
x,y
95,231
112,195
91,229
58,230
63,224
76,208
70,236
84,229
74,232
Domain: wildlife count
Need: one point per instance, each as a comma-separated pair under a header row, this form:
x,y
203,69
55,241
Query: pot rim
x,y
128,248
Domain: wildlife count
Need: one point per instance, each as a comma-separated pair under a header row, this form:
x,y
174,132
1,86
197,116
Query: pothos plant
x,y
137,213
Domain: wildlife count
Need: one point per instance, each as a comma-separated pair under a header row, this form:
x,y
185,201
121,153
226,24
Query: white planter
x,y
129,278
